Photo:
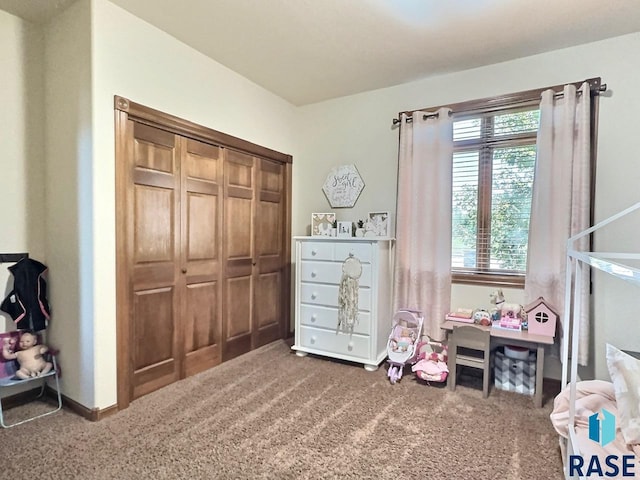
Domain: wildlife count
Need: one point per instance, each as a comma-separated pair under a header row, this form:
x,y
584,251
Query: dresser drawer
x,y
316,250
362,251
338,343
324,317
318,294
325,272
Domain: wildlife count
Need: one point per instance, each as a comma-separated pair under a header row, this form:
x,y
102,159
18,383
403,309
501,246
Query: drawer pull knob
x,y
314,295
350,346
313,339
314,252
314,317
314,274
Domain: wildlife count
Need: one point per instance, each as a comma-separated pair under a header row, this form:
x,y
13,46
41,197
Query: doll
x,y
29,356
404,340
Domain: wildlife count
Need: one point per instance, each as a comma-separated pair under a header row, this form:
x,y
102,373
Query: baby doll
x,y
404,340
29,356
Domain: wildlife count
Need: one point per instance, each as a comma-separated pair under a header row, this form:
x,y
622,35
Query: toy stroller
x,y
403,341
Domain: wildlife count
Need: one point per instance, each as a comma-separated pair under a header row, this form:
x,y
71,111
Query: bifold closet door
x,y
239,252
154,259
175,232
201,202
254,252
270,254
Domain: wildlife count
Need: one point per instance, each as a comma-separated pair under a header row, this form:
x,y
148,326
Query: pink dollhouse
x,y
541,318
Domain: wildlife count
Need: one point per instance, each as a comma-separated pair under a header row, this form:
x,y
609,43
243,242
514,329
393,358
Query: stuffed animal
x,y
482,317
29,356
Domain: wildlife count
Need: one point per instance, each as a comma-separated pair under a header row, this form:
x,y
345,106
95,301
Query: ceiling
x,y
307,51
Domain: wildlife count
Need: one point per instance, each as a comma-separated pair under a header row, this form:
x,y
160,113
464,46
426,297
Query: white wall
x,y
21,144
135,60
358,129
69,198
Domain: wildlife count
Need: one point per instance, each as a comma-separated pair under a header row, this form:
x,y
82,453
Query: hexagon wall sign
x,y
343,186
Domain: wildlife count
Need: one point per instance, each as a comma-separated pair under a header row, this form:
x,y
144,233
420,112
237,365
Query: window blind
x,y
493,170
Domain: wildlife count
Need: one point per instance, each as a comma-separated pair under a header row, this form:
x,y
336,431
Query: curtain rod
x,y
504,101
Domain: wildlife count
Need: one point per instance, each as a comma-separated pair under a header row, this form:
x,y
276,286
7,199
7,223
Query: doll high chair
x,y
9,380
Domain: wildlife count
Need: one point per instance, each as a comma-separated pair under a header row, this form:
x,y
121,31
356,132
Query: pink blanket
x,y
591,397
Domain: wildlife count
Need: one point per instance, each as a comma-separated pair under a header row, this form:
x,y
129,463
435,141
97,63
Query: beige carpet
x,y
271,414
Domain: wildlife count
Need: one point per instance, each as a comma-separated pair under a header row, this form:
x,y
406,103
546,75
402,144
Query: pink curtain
x,y
423,231
561,199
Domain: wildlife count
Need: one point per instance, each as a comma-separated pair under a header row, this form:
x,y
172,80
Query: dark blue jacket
x,y
27,302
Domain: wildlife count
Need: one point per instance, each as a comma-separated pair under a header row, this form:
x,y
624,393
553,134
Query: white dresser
x,y
318,273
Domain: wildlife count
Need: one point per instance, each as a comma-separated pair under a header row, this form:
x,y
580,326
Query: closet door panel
x,y
202,226
239,226
202,327
239,212
153,149
238,316
201,250
267,315
269,253
153,324
156,353
154,235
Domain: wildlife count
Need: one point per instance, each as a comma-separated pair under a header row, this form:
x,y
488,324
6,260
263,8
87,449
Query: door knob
x,y
184,270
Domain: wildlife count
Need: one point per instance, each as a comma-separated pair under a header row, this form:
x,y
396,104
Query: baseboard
x,y
91,414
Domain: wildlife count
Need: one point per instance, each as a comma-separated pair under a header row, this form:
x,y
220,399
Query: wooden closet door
x,y
239,259
154,259
202,247
201,202
270,255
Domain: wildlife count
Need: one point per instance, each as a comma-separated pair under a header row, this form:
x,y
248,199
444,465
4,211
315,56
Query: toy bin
x,y
515,375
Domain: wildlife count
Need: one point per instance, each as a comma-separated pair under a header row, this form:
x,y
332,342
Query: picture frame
x,y
345,229
343,186
321,224
377,224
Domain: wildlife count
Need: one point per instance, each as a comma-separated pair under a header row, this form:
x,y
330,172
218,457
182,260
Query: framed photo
x,y
345,229
377,224
321,224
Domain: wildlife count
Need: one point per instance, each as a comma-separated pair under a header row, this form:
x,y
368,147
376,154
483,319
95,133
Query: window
x,y
493,168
